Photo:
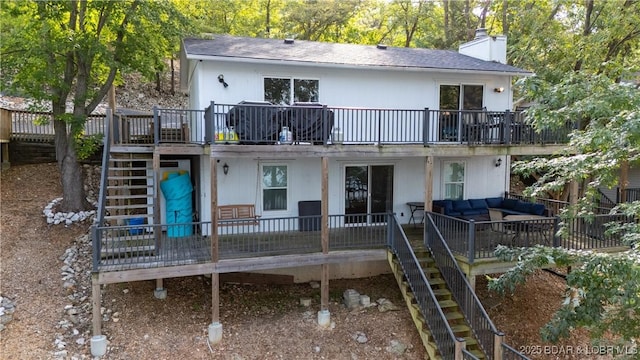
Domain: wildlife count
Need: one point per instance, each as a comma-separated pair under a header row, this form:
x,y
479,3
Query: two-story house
x,y
303,158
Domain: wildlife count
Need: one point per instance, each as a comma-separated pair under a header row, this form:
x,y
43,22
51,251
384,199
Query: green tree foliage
x,y
554,38
69,53
581,52
608,136
603,291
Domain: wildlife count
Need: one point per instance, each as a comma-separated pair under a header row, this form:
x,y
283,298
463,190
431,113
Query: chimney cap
x,y
481,33
381,46
288,41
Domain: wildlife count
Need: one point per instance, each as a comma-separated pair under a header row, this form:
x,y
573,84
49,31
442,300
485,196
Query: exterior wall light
x,y
225,168
497,163
498,89
221,80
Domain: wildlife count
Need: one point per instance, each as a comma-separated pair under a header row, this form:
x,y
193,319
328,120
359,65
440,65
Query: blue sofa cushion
x,y
478,204
461,205
474,212
506,212
523,207
494,202
454,213
447,205
537,209
509,204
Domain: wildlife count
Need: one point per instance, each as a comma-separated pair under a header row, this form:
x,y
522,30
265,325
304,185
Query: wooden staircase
x,y
130,188
447,303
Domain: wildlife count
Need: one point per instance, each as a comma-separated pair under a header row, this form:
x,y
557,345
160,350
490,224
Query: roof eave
x,y
351,66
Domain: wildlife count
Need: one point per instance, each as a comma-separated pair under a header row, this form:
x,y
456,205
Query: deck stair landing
x,y
445,299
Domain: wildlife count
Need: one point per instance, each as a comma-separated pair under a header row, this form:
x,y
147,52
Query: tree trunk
x,y
505,18
71,174
173,77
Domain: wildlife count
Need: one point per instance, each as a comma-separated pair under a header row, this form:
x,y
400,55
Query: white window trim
x,y
262,188
443,187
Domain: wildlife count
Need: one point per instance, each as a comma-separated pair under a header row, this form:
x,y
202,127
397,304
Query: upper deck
x,y
255,129
319,130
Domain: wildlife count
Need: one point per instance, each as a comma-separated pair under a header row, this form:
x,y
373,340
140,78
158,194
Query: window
x,y
461,97
286,91
453,180
274,187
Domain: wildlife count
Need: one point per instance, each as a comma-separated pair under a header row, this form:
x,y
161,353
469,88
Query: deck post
x,y
213,164
215,328
497,346
428,194
323,314
471,252
425,127
98,341
160,292
459,345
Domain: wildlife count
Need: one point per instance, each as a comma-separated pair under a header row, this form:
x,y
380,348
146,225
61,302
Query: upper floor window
x,y
461,97
453,180
274,187
286,91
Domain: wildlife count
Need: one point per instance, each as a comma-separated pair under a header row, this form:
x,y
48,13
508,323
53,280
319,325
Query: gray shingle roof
x,y
230,47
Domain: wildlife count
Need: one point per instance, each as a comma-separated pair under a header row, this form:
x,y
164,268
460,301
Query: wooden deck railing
x,y
33,126
259,123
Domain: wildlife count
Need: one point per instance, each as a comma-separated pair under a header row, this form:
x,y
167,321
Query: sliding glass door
x,y
368,189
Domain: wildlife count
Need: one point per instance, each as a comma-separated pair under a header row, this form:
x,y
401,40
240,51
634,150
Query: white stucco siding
x,y
482,178
373,88
242,185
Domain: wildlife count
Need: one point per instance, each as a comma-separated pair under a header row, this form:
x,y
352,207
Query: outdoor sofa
x,y
478,209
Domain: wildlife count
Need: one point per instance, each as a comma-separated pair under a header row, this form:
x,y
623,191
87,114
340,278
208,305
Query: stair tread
x,y
436,281
137,196
470,341
124,217
477,353
141,158
460,328
442,291
132,177
129,206
447,303
453,315
131,187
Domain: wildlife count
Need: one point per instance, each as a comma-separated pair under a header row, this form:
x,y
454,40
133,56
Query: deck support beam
x,y
215,328
323,314
428,184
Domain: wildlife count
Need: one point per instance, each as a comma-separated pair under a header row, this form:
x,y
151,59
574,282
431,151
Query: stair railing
x,y
102,197
441,331
489,338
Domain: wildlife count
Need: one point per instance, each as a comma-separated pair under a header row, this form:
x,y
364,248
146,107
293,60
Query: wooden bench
x,y
246,213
